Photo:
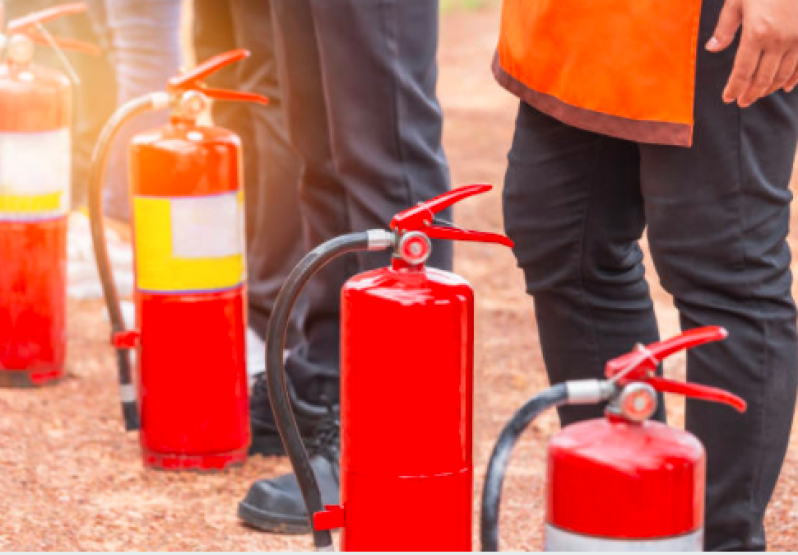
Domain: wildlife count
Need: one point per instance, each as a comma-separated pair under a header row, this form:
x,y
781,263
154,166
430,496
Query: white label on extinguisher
x,y
35,175
560,540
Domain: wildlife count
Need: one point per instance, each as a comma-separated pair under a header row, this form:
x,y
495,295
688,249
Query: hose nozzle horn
x,y
421,218
31,27
640,366
193,80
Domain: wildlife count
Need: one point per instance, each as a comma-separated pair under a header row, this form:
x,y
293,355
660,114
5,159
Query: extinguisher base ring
x,y
25,379
213,462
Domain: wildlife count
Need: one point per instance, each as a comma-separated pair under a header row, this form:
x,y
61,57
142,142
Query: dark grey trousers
x,y
717,217
358,79
271,168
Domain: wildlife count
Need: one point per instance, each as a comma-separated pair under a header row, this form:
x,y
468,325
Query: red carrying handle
x,y
193,80
29,26
422,216
640,364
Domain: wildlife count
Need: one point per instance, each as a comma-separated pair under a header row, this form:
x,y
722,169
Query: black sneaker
x,y
265,437
277,505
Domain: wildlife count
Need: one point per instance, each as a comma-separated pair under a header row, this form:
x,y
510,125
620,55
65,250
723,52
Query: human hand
x,y
767,59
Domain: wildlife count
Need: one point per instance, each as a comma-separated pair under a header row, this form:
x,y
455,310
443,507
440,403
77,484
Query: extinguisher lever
x,y
696,391
457,234
193,80
30,25
642,361
422,218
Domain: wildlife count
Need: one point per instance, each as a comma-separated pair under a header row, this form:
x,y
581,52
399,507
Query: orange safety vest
x,y
624,68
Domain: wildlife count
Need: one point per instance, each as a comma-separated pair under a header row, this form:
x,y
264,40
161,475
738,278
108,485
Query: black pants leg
x,y
271,168
718,217
359,83
572,205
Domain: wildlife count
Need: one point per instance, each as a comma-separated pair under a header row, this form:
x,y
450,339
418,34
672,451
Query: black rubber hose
x,y
96,178
275,370
500,458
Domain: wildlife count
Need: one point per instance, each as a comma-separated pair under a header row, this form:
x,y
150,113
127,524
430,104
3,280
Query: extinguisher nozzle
x,y
130,412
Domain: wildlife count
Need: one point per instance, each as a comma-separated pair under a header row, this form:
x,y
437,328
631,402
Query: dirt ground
x,y
70,479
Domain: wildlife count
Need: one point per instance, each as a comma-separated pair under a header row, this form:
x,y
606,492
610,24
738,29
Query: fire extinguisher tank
x,y
35,115
407,339
190,293
609,478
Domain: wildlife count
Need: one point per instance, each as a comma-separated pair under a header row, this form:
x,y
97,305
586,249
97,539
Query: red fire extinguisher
x,y
188,221
407,333
623,482
35,153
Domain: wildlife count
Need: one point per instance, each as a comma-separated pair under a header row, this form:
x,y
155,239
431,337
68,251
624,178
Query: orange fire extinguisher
x,y
407,332
622,482
35,160
190,399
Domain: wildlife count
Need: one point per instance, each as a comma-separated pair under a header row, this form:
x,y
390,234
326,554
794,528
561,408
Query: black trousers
x,y
717,217
271,168
358,80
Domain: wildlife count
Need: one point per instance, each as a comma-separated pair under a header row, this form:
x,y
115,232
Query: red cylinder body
x,y
35,106
190,296
620,486
406,411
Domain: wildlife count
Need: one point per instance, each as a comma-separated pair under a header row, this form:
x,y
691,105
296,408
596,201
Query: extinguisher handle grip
x,y
646,359
700,392
193,80
30,25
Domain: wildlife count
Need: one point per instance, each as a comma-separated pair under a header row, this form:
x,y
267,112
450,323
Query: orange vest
x,y
624,68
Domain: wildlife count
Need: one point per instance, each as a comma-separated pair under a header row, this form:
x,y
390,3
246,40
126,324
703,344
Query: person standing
x,y
680,117
358,79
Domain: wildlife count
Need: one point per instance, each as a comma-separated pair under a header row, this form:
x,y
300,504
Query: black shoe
x,y
277,505
265,437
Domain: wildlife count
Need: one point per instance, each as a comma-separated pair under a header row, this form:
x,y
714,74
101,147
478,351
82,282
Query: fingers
x,y
789,66
731,17
745,66
763,78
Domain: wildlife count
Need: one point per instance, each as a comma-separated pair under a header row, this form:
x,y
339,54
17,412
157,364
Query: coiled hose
x,y
500,458
275,367
99,160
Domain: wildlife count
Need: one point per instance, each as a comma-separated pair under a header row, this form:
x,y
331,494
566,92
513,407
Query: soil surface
x,y
70,479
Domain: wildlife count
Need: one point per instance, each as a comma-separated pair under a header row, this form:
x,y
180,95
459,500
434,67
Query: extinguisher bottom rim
x,y
204,463
27,379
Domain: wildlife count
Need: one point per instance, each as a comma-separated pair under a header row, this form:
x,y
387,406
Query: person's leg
x,y
381,149
272,168
379,65
145,36
364,160
718,217
572,206
313,365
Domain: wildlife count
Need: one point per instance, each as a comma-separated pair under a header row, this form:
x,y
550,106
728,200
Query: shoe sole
x,y
273,523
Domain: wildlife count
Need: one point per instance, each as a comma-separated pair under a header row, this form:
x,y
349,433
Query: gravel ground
x,y
72,480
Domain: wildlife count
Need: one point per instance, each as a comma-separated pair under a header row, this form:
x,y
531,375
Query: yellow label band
x,y
26,204
189,244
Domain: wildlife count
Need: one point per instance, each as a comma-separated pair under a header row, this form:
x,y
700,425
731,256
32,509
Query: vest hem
x,y
653,132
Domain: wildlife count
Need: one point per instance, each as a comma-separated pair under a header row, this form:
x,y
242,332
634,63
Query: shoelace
x,y
326,437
